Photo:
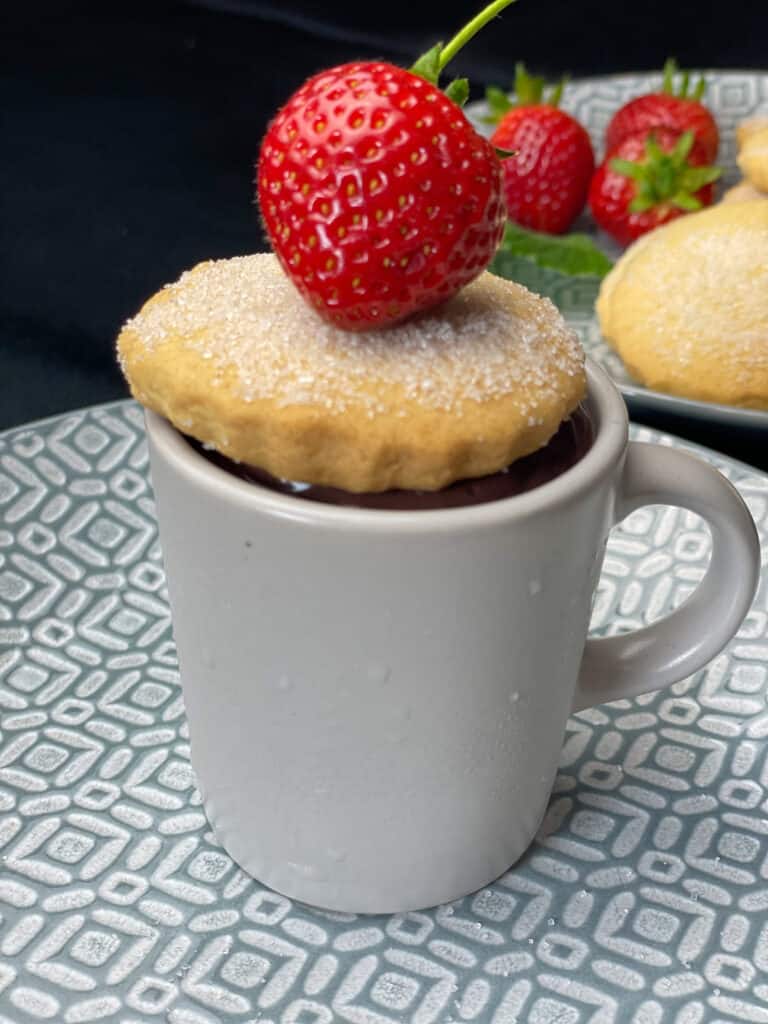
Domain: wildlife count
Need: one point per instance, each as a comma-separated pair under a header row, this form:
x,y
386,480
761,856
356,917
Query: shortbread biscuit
x,y
743,192
753,154
233,356
686,306
751,126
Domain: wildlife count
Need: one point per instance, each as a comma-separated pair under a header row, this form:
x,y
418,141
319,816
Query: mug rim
x,y
611,433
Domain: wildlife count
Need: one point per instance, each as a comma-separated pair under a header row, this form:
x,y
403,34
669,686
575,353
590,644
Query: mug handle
x,y
647,659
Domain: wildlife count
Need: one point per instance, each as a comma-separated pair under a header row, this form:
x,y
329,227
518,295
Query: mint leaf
x,y
569,254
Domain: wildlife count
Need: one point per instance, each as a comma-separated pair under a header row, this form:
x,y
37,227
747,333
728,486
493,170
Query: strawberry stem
x,y
668,82
553,100
670,67
471,29
529,91
665,177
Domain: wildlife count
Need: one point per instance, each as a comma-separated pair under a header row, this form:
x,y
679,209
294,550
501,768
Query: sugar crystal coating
x,y
686,306
233,356
490,340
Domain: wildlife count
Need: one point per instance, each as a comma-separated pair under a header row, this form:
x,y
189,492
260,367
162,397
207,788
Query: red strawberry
x,y
649,180
547,178
379,197
667,109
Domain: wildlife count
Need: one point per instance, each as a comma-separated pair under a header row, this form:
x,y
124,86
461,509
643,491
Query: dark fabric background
x,y
129,132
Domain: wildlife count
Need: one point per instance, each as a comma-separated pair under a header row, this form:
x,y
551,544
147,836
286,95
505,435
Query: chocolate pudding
x,y
569,444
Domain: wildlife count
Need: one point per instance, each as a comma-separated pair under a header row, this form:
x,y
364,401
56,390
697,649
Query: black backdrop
x,y
129,132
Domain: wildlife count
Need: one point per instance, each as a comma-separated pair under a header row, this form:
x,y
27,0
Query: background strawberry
x,y
650,179
547,177
379,197
669,108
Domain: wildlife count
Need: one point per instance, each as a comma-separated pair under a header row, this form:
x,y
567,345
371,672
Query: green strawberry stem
x,y
470,30
665,177
430,64
529,91
668,82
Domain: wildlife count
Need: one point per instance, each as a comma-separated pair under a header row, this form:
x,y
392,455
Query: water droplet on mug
x,y
378,673
303,870
514,697
534,587
551,921
284,684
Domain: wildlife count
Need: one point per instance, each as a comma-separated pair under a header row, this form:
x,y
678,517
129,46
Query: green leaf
x,y
574,254
458,91
668,84
665,177
670,69
682,148
498,104
431,63
428,64
653,150
685,201
640,204
556,93
529,89
628,168
697,177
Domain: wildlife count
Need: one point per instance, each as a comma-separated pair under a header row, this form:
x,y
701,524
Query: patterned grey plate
x,y
732,96
643,900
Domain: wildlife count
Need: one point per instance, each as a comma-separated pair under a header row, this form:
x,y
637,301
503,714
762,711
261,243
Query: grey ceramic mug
x,y
377,699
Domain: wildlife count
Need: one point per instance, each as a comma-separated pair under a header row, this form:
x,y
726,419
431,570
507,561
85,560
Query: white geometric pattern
x,y
643,899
